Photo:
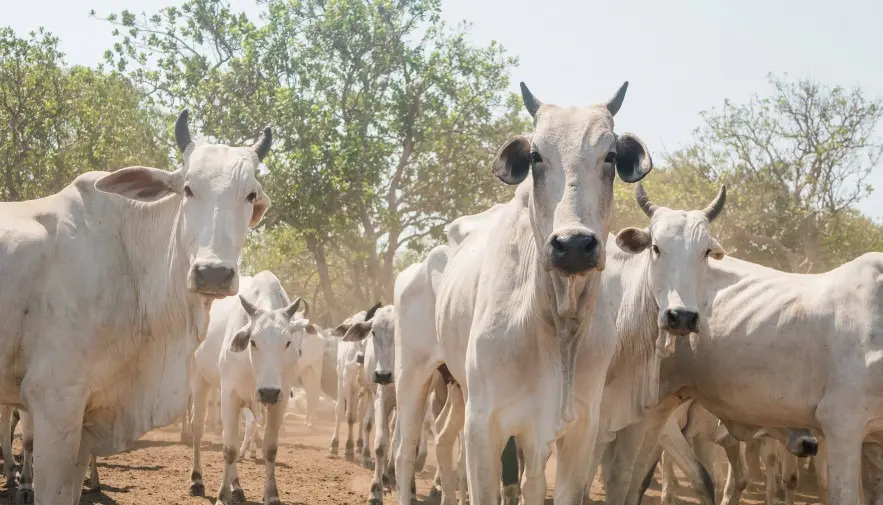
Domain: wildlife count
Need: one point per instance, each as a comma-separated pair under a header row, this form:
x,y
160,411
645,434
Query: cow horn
x,y
250,309
616,102
306,308
530,101
182,131
372,310
712,211
262,146
644,202
292,309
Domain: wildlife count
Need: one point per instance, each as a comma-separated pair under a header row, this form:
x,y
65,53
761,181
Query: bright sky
x,y
680,56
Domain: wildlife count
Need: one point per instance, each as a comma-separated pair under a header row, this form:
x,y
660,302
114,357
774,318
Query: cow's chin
x,y
678,332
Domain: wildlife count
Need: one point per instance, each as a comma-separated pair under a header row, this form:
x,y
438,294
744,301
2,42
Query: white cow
x,y
310,371
350,378
782,349
122,268
265,325
515,298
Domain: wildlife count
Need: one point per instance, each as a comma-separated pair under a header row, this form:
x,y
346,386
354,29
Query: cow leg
x,y
251,427
752,460
844,436
275,417
230,408
425,433
94,482
533,483
412,387
340,405
483,462
449,424
354,411
311,387
186,432
58,427
677,447
768,454
576,453
820,462
371,415
790,477
670,485
736,481
83,460
382,409
199,392
6,446
25,492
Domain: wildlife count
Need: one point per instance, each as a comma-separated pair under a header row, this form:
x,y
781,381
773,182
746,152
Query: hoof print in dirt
x,y
239,496
197,490
24,497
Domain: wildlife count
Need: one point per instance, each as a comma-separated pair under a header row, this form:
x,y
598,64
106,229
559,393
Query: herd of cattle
x,y
532,331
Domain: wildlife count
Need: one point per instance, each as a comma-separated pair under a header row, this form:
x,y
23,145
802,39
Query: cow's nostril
x,y
557,245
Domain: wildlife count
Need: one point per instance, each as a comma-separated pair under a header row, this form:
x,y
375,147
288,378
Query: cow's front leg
x,y
230,407
339,412
251,428
199,391
58,427
94,482
483,464
736,479
275,416
449,424
311,387
368,417
576,453
382,408
353,408
25,492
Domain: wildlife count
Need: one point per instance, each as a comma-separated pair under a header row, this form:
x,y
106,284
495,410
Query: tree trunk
x,y
812,249
318,251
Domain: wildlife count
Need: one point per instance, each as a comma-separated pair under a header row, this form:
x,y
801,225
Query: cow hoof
x,y
349,456
24,496
273,501
333,449
239,495
435,492
92,489
197,489
368,463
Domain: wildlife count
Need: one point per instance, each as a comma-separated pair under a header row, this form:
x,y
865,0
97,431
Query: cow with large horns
x,y
117,270
513,301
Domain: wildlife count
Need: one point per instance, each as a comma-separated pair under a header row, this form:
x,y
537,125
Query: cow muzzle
x,y
803,446
383,378
213,279
573,252
269,396
680,321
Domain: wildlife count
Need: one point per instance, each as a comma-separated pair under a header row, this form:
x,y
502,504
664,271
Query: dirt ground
x,y
157,471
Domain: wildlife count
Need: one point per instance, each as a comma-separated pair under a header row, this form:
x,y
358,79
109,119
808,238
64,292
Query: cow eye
x,y
655,249
299,351
288,344
187,191
251,197
707,253
253,344
535,157
611,157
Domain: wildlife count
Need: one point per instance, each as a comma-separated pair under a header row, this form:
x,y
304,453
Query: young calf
x,y
266,326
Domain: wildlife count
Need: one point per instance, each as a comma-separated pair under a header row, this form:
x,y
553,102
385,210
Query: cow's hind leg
x,y
6,446
25,492
251,428
449,424
412,388
94,481
362,445
382,409
843,430
339,412
736,479
199,390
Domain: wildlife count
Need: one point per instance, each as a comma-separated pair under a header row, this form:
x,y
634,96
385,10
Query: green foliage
x,y
384,119
59,121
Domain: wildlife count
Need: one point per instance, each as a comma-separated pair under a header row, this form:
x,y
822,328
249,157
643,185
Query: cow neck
x,y
637,325
160,263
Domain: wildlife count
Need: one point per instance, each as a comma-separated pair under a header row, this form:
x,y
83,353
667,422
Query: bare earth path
x,y
157,471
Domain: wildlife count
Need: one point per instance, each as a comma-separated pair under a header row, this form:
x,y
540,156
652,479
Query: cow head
x,y
273,339
679,248
571,157
380,324
220,199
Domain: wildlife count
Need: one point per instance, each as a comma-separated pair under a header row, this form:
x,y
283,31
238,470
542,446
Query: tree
x,y
796,163
385,119
60,121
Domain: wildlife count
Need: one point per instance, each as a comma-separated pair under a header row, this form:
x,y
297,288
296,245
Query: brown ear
x,y
716,250
358,332
311,329
142,184
633,240
340,330
259,207
513,160
240,340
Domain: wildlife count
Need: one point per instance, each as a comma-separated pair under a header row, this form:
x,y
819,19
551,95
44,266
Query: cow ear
x,y
716,250
311,329
142,184
240,340
259,207
513,160
358,332
633,160
633,240
340,330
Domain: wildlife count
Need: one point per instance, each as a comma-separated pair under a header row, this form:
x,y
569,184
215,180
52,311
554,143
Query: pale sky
x,y
680,56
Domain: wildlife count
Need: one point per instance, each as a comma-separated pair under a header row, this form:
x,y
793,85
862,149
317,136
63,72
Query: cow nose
x,y
575,252
269,396
808,447
383,378
213,278
681,319
360,359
